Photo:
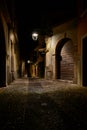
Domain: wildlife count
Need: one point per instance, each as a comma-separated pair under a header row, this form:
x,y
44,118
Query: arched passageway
x,y
2,57
65,60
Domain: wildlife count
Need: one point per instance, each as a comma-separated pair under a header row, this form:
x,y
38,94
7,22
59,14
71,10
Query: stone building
x,y
67,49
9,50
61,56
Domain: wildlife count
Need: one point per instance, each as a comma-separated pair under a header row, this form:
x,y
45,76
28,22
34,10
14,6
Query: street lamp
x,y
28,61
34,36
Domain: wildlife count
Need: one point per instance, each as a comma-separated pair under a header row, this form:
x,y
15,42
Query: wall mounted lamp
x,y
35,36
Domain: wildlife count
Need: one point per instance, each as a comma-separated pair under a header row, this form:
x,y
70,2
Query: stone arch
x,y
65,59
2,56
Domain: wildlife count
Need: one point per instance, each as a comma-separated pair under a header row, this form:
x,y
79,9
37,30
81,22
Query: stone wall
x,y
67,30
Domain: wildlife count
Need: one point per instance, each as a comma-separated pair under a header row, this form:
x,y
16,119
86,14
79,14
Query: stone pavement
x,y
36,85
38,104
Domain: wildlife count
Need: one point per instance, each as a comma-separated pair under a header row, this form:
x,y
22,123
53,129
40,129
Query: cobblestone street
x,y
39,104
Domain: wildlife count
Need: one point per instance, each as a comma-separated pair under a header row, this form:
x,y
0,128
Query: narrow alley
x,y
40,104
47,40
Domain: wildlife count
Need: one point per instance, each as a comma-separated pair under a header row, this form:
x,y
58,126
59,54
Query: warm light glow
x,y
12,36
28,61
35,36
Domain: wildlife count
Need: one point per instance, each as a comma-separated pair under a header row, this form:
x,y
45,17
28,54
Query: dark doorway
x,y
2,58
65,60
41,69
84,61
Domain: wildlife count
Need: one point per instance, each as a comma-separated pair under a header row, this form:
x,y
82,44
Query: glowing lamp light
x,y
12,36
28,61
34,36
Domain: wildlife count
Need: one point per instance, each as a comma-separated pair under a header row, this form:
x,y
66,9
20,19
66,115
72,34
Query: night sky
x,y
35,14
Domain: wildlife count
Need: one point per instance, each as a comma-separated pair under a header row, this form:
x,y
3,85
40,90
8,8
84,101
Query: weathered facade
x,y
61,56
9,50
67,49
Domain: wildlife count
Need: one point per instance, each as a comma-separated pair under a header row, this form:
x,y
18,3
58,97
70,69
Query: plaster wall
x,y
66,30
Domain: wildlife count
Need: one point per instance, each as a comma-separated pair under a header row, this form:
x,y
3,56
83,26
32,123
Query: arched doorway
x,y
2,57
65,59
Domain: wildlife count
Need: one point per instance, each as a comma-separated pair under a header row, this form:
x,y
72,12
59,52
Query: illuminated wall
x,y
9,57
67,30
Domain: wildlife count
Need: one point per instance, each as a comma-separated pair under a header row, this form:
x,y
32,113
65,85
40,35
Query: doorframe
x,y
84,36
